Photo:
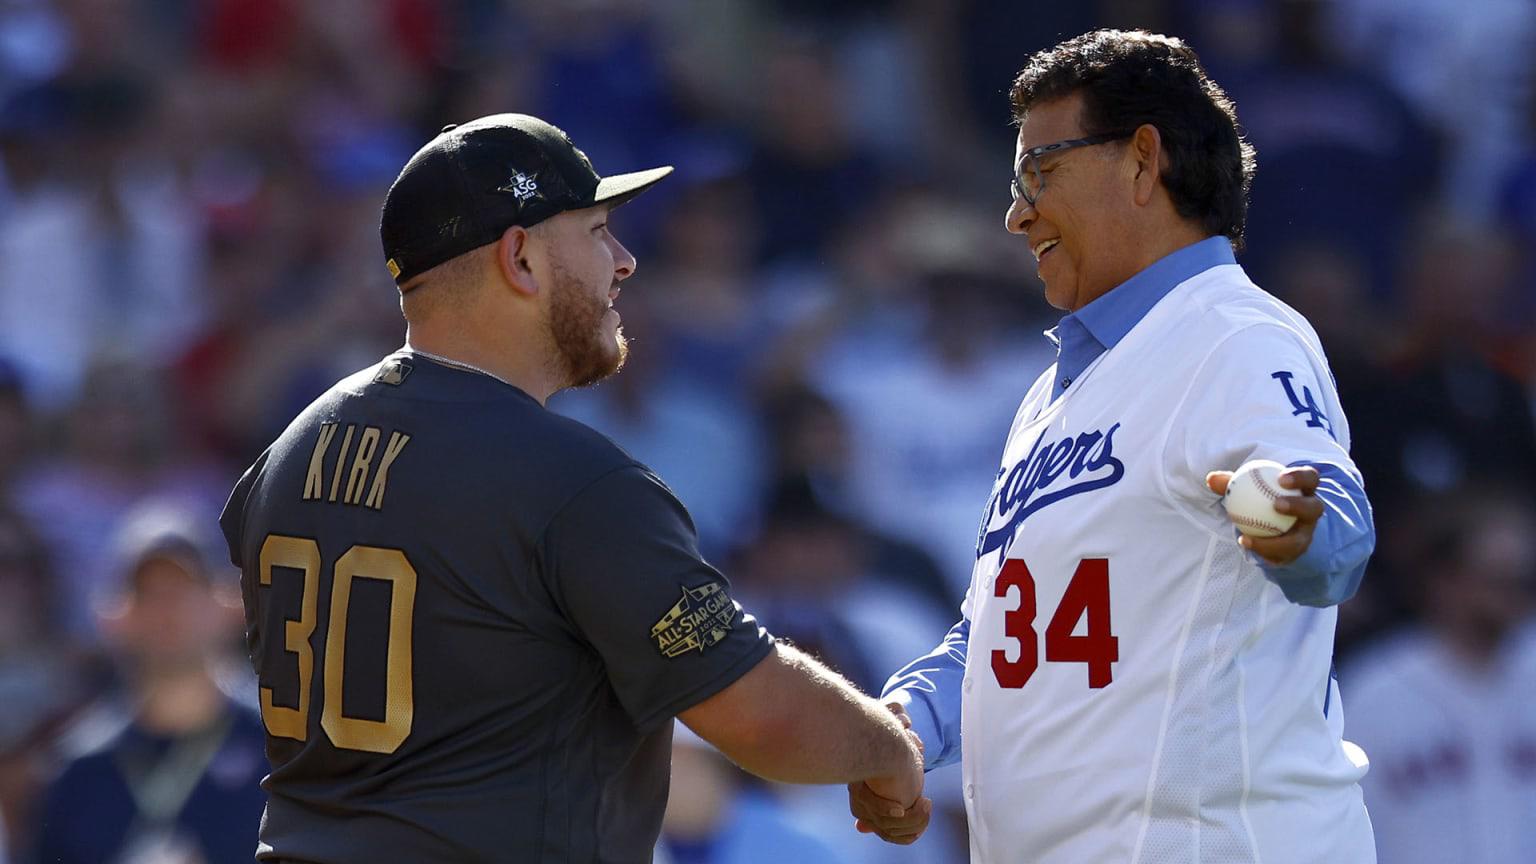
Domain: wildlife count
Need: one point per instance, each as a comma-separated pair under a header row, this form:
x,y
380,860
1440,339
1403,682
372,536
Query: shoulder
x,y
1222,301
84,748
574,457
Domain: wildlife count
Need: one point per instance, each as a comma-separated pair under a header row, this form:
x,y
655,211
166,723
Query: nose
x,y
624,264
1021,214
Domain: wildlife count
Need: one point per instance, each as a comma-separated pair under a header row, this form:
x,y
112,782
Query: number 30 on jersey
x,y
352,733
1087,596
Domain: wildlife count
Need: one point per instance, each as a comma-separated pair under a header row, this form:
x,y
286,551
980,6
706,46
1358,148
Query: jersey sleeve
x,y
623,561
232,519
929,689
1265,392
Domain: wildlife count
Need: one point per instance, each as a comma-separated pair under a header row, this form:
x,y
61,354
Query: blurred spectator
x,y
1445,411
810,459
1465,67
44,678
1517,209
809,576
978,47
808,174
179,783
1443,710
119,446
98,250
703,286
1342,159
927,393
718,815
602,78
15,427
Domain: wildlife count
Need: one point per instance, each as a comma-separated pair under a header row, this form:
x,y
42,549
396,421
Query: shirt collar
x,y
1083,335
1109,317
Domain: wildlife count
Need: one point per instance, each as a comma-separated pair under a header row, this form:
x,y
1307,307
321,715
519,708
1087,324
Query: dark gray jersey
x,y
472,621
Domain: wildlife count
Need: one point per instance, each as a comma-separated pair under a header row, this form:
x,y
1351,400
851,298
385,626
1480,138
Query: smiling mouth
x,y
1044,247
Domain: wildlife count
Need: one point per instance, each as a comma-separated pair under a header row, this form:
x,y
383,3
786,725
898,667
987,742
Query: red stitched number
x,y
1086,595
1019,625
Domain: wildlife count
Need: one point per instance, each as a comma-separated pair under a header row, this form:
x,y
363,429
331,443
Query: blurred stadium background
x,y
831,329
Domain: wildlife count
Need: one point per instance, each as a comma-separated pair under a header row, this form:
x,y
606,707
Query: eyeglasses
x,y
1029,182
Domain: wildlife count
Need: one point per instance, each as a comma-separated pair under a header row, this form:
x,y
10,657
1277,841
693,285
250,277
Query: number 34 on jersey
x,y
1086,601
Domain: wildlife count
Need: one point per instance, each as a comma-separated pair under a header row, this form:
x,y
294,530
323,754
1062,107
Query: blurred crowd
x,y
830,332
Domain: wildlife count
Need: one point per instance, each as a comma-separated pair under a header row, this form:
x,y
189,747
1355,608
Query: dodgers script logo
x,y
1086,462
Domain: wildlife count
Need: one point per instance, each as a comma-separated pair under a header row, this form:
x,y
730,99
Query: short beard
x,y
584,356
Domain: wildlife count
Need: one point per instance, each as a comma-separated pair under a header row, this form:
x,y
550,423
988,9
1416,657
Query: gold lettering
x,y
341,460
359,474
314,483
397,442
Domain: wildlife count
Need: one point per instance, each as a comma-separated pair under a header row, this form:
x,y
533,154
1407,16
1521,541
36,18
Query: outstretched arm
x,y
794,720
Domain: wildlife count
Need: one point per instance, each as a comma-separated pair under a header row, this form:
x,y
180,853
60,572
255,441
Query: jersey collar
x,y
1083,335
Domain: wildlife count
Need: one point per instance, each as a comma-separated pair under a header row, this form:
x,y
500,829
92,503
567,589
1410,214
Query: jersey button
x,y
970,791
967,685
1065,383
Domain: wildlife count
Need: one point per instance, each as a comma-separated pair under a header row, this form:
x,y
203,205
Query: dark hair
x,y
1131,78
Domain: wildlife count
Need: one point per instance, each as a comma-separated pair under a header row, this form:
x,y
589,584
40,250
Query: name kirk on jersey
x,y
315,486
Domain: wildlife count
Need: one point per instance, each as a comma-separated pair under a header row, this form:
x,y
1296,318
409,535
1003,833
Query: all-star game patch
x,y
699,620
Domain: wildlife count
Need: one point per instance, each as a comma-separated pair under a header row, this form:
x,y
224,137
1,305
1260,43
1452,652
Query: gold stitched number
x,y
353,733
302,554
371,562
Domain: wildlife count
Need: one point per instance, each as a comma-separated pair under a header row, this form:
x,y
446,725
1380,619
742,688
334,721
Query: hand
x,y
1307,508
877,803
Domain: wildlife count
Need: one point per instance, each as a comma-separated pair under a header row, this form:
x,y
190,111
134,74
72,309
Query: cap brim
x,y
620,188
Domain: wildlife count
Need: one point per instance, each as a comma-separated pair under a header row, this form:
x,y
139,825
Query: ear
x,y
114,618
1147,149
512,252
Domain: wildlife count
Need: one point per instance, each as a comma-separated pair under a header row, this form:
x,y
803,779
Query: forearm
x,y
929,689
803,723
1329,572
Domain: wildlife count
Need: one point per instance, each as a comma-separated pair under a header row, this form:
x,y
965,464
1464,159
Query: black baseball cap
x,y
473,182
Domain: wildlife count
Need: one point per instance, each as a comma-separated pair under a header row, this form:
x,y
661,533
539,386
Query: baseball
x,y
1250,499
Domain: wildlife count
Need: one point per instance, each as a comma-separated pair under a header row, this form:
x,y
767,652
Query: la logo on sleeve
x,y
1304,403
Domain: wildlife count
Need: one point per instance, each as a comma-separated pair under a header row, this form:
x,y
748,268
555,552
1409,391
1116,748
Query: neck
x,y
504,362
1160,244
175,703
1145,248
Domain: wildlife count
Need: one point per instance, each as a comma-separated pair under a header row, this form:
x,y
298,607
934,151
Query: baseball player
x,y
1444,707
1127,682
473,620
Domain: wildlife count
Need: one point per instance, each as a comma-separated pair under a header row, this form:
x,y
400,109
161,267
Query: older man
x,y
1129,682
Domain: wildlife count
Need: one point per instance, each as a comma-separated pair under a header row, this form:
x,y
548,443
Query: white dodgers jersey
x,y
1136,691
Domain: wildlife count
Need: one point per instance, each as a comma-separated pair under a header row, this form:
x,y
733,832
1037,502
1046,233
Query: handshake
x,y
793,720
892,808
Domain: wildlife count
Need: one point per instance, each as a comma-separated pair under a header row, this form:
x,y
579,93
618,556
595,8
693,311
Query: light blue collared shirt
x,y
1328,573
1083,335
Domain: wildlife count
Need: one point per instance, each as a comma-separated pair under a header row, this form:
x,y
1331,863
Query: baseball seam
x,y
1269,491
1257,523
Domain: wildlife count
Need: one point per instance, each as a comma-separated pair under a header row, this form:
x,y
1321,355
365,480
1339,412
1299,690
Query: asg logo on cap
x,y
522,185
